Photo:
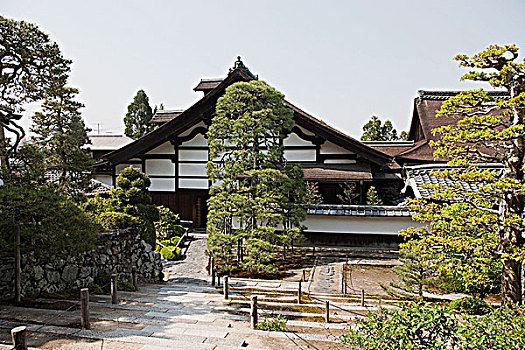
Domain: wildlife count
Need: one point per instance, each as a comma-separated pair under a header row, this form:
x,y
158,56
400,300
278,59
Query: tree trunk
x,y
511,282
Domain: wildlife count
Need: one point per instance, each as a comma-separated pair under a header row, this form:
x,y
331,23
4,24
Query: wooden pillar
x,y
299,292
84,308
226,288
253,312
18,335
18,268
114,292
327,315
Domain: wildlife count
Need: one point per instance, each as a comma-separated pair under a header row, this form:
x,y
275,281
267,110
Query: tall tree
x,y
29,64
138,116
60,134
248,173
375,130
488,130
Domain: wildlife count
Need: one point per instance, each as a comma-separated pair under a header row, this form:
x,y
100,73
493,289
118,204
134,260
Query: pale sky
x,y
342,61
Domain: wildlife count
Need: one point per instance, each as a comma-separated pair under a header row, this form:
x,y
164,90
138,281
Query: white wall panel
x,y
187,132
162,184
299,155
160,167
358,225
294,140
105,179
193,183
165,148
120,167
193,154
192,169
339,161
198,140
331,148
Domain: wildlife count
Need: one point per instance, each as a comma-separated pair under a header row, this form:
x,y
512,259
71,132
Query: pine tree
x,y
349,194
313,196
372,198
375,130
138,116
61,137
247,172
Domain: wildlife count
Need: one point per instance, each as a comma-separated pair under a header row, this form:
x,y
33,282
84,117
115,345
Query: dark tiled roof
x,y
357,210
320,174
445,95
420,176
208,84
164,116
392,148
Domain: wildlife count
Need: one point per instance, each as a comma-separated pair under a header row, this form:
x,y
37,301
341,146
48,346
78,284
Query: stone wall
x,y
116,252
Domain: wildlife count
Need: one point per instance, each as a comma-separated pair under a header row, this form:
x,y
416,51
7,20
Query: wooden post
x,y
299,292
218,280
253,312
114,296
291,246
134,277
18,268
345,288
226,288
327,315
213,272
313,250
362,297
18,335
304,276
84,308
212,266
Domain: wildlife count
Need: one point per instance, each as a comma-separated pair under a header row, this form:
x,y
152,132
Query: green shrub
x,y
126,286
113,220
96,289
167,226
174,240
277,324
170,255
470,305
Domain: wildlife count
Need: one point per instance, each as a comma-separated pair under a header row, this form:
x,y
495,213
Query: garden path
x,y
192,269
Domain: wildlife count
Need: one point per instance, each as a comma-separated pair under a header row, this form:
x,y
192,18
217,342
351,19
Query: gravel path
x,y
192,269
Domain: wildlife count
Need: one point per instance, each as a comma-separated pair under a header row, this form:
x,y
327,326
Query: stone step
x,y
174,341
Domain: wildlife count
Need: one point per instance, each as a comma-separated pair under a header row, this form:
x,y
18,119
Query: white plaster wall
x,y
193,154
198,140
192,169
297,155
105,179
358,224
120,167
193,183
294,140
331,148
165,148
160,167
187,132
340,161
162,184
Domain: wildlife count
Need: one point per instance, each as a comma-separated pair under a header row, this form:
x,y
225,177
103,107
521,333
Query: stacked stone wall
x,y
115,252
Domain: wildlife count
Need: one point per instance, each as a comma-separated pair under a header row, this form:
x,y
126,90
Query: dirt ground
x,y
367,277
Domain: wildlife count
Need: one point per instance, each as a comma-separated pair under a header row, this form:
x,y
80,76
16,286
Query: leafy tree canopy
x,y
139,114
490,223
375,130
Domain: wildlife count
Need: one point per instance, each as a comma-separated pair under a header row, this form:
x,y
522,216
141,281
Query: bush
x,y
277,324
470,306
167,226
170,255
113,220
174,240
126,286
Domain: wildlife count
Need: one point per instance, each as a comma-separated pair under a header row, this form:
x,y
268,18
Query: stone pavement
x,y
183,313
327,275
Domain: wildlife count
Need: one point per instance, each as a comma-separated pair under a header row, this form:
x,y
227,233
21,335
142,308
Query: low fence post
x,y
226,288
327,315
84,308
304,276
299,292
213,272
18,335
114,292
362,297
134,277
253,312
